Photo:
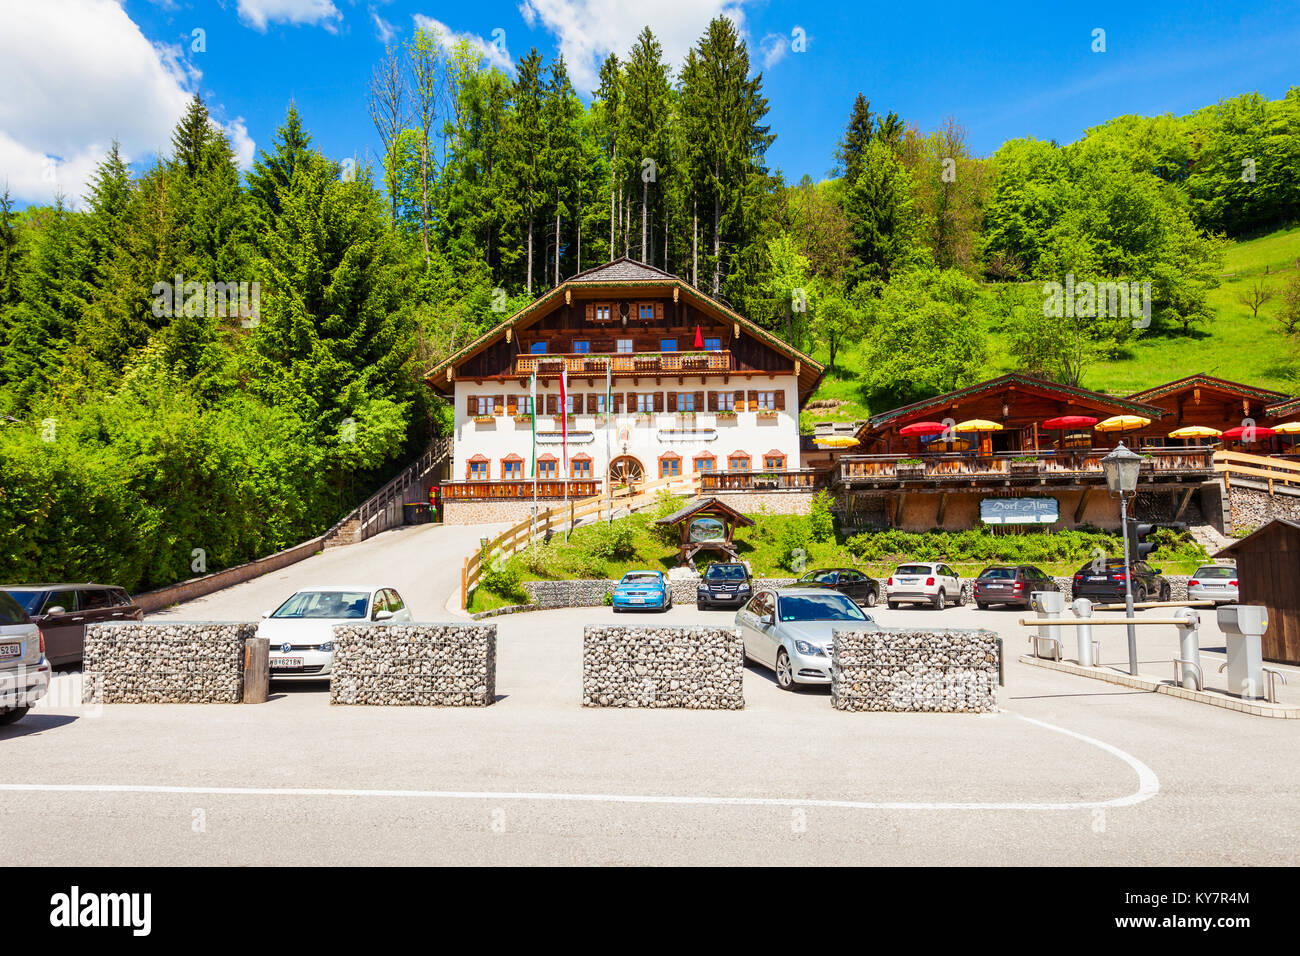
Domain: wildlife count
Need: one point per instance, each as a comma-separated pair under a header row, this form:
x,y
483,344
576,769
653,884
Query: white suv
x,y
933,584
24,671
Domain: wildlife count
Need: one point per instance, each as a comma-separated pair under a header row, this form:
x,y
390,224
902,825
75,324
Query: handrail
x,y
1230,463
382,510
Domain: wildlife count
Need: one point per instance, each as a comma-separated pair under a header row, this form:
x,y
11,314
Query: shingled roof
x,y
1265,395
624,270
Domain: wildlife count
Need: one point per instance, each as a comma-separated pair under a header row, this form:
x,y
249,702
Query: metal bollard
x,y
1048,604
1082,608
1188,663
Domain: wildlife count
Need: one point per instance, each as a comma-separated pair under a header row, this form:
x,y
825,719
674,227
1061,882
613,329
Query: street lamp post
x,y
1121,467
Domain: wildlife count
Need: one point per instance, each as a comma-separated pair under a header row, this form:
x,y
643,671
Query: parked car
x,y
930,583
789,631
62,612
301,630
1214,582
24,671
1096,581
725,584
852,584
1011,584
642,591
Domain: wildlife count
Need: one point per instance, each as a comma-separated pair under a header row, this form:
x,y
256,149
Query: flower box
x,y
1026,467
767,415
484,419
726,416
909,469
523,419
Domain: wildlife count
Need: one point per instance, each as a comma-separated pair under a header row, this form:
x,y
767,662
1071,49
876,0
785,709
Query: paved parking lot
x,y
1071,771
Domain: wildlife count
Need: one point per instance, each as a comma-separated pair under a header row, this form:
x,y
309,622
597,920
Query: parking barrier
x,y
1189,642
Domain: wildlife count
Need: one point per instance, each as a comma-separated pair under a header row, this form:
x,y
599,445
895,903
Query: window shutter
x,y
577,403
512,405
498,404
740,401
713,401
631,401
780,399
753,400
617,398
659,401
659,312
591,311
552,403
672,401
699,401
471,404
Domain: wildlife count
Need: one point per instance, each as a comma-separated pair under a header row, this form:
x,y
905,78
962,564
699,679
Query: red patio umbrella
x,y
1065,422
923,428
1238,433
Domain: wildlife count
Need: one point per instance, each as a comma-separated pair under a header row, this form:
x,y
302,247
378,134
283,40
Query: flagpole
x,y
609,420
564,432
532,404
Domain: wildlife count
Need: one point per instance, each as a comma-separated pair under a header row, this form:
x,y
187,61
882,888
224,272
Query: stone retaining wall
x,y
771,502
910,670
198,587
1253,508
505,511
699,668
154,663
546,595
450,665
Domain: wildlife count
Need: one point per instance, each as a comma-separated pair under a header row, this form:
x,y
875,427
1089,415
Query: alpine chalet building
x,y
658,379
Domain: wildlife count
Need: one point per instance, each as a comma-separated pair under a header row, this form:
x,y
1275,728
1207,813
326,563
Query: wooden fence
x,y
563,518
1272,470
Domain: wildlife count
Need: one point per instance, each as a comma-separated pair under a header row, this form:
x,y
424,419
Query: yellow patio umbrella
x,y
977,425
1287,428
836,441
1199,431
1122,423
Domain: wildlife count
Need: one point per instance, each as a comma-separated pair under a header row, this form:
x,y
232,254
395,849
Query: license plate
x,y
636,600
997,586
1098,577
908,580
285,663
11,650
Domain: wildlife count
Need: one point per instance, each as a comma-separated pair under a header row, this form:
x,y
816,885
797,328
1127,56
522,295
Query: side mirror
x,y
57,609
766,620
1157,571
383,615
266,614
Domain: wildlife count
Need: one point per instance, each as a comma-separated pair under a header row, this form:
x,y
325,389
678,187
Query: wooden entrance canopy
x,y
687,518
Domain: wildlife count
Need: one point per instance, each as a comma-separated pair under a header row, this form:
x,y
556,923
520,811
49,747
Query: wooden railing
x,y
802,479
564,518
1076,462
624,363
383,509
558,488
1270,469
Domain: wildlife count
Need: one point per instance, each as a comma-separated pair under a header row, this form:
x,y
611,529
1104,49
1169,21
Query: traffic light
x,y
1137,548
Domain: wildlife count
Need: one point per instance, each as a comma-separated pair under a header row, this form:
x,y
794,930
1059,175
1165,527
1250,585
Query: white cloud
x,y
76,75
384,31
258,13
240,142
494,51
588,30
773,49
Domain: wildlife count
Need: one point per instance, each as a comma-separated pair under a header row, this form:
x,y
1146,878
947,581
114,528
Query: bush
x,y
498,575
821,522
795,540
610,541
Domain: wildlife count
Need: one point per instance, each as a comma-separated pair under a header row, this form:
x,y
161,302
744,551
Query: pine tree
x,y
857,137
9,253
273,171
647,103
526,141
561,111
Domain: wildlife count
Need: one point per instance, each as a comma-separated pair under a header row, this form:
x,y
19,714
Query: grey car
x,y
1214,582
24,671
789,631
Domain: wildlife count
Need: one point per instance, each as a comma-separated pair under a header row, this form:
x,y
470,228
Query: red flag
x,y
564,421
699,338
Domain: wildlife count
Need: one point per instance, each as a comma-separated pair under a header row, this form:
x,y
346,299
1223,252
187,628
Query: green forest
x,y
202,365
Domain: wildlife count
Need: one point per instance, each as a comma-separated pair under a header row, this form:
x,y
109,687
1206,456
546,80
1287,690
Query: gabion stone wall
x,y
135,662
905,669
699,668
449,665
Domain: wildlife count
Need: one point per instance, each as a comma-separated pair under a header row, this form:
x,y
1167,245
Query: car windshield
x,y
30,600
725,572
1001,574
646,577
1215,572
914,569
828,607
10,611
342,605
825,577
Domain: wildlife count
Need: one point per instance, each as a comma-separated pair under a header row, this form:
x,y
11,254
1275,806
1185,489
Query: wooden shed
x,y
1268,569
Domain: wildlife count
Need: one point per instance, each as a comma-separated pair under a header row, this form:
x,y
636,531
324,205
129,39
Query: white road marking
x,y
1148,787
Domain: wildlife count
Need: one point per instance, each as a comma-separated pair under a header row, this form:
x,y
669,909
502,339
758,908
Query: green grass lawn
x,y
1234,345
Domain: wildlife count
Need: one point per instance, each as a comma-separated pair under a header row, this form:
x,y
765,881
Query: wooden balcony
x,y
626,363
1068,468
512,489
801,479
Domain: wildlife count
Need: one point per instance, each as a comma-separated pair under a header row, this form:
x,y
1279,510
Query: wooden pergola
x,y
687,518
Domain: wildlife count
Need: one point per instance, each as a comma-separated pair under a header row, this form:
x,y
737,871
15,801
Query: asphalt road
x,y
1071,771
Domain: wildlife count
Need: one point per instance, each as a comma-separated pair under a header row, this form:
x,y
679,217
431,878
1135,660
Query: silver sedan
x,y
1214,582
789,631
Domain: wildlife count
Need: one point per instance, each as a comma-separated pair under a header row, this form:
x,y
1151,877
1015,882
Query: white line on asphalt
x,y
1148,787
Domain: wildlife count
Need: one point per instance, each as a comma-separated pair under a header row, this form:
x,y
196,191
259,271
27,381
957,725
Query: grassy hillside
x,y
1234,345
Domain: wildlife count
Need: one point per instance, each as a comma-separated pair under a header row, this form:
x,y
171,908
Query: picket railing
x,y
564,518
1256,466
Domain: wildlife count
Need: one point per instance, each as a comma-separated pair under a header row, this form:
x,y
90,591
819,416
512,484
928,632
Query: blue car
x,y
642,591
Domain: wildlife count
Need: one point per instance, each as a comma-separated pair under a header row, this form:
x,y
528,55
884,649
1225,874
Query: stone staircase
x,y
349,532
1209,538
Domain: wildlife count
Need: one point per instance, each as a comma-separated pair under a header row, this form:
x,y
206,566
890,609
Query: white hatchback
x,y
931,583
24,671
301,630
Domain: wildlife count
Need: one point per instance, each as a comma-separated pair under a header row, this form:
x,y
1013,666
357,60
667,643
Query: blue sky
x,y
84,71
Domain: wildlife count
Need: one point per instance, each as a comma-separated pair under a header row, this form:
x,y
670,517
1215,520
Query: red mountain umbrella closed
x,y
1252,434
699,338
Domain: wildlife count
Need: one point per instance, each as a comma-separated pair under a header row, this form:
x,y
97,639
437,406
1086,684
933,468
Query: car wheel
x,y
872,598
784,672
981,605
1164,592
961,597
940,600
699,605
893,605
12,715
1140,596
